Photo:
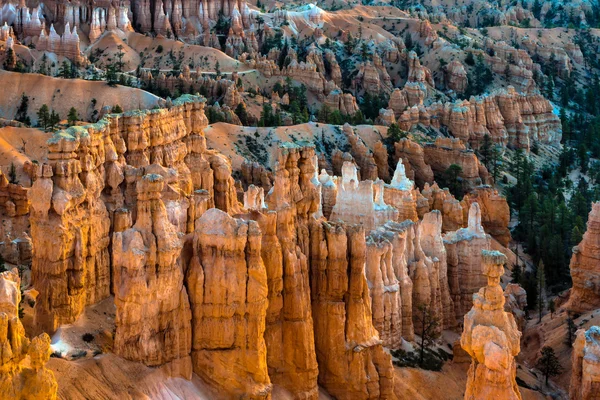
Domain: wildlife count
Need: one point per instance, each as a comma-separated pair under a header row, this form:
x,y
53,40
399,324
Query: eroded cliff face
x,y
19,379
585,267
491,338
585,377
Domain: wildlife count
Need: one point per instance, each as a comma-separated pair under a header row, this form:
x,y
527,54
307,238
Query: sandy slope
x,y
236,142
18,145
143,51
62,94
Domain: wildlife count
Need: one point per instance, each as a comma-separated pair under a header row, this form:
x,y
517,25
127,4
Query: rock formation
x,y
495,212
456,77
227,283
361,201
18,379
352,362
491,338
466,270
509,118
153,310
585,376
585,267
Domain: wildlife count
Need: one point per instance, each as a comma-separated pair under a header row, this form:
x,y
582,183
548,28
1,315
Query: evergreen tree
x,y
541,284
72,117
43,116
10,60
571,329
120,54
242,114
65,70
111,75
117,109
12,174
426,326
548,363
485,150
21,114
551,308
43,69
54,119
451,178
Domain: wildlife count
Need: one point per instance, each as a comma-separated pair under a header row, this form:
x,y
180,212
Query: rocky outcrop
x,y
585,267
400,194
352,361
20,379
15,242
465,266
508,117
417,72
491,338
227,283
413,158
153,310
515,303
495,212
446,151
66,45
361,201
585,376
456,77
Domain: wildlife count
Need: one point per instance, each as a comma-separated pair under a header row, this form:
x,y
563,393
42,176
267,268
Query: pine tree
x,y
54,119
551,307
43,116
117,109
571,329
65,70
72,117
541,284
120,55
10,62
426,326
451,177
12,174
485,150
21,114
548,363
242,114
